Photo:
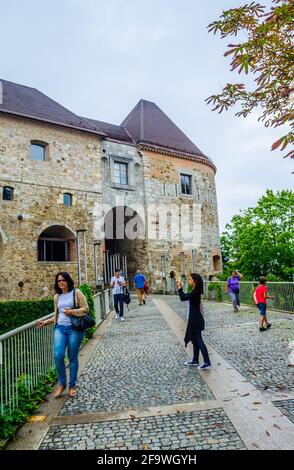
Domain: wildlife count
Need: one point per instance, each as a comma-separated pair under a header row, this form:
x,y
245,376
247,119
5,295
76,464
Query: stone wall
x,y
73,166
81,164
162,186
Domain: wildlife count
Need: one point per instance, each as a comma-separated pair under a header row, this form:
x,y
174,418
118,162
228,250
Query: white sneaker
x,y
122,319
117,316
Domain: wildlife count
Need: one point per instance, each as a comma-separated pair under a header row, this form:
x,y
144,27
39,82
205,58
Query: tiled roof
x,y
112,131
148,125
145,126
30,102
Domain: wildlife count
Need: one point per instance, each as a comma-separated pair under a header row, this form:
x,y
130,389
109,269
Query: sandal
x,y
59,391
72,392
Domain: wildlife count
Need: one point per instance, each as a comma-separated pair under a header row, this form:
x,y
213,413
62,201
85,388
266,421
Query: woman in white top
x,y
67,302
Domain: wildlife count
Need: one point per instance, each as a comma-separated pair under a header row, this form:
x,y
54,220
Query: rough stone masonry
x,y
62,175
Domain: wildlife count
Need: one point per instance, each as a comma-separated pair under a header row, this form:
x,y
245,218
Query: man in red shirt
x,y
260,300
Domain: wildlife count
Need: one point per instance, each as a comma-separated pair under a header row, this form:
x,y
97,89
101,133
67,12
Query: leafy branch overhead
x,y
268,53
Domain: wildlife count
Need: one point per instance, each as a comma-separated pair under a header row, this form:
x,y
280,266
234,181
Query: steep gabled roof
x,y
145,126
111,131
149,126
29,102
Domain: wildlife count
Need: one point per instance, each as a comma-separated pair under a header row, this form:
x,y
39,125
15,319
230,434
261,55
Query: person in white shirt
x,y
117,284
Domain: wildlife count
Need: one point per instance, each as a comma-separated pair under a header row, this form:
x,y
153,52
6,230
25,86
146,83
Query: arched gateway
x,y
125,243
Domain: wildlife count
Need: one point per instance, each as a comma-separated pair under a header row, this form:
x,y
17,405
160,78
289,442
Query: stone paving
x,y
286,407
262,357
139,363
189,431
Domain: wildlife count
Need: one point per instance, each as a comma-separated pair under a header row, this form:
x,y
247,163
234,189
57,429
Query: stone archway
x,y
125,235
57,243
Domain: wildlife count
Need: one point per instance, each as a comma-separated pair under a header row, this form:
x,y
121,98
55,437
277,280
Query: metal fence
x,y
283,293
103,304
27,351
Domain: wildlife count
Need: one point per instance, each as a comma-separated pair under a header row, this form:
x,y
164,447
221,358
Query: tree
x,y
260,240
268,54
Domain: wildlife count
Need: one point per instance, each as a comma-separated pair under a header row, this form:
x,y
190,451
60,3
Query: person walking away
x,y
195,324
146,288
117,284
233,287
139,281
260,296
65,336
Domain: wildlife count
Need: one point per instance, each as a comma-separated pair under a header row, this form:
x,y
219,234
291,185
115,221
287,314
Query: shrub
x,y
86,290
216,288
15,313
27,403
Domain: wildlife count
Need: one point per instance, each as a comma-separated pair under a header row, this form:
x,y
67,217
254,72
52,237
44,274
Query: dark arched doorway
x,y
125,237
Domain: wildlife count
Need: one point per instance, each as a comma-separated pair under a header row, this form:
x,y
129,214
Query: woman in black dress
x,y
195,322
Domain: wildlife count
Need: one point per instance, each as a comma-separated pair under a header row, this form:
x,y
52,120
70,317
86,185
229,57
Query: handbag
x,y
126,296
81,323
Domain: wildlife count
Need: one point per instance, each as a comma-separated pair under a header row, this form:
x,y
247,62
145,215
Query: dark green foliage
x,y
86,290
260,241
26,404
216,288
17,313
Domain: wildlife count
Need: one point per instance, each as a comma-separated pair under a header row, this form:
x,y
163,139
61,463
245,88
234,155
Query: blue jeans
x,y
235,298
119,299
67,337
200,345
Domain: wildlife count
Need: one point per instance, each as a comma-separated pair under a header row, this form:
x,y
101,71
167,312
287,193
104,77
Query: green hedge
x,y
86,290
213,286
19,312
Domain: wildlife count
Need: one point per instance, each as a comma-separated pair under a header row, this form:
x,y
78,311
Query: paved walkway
x,y
135,393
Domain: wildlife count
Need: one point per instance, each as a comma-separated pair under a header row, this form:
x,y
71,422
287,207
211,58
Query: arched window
x,y
39,150
56,243
67,199
217,263
7,193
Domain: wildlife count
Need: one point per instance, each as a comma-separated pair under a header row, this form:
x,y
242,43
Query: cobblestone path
x,y
138,367
261,357
135,392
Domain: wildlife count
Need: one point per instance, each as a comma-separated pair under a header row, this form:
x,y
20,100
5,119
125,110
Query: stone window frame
x,y
130,172
3,193
184,171
40,143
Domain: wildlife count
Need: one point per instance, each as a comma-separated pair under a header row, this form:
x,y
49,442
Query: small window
x,y
67,199
7,193
120,173
186,184
38,151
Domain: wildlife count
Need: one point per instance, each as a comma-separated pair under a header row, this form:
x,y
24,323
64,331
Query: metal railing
x,y
283,293
102,304
27,351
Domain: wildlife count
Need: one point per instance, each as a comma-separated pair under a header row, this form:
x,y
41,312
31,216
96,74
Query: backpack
x,y
126,296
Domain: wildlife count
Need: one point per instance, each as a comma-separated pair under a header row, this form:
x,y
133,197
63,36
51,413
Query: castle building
x,y
83,196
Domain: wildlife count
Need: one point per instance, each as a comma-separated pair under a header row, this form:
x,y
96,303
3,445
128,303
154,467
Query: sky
x,y
98,58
